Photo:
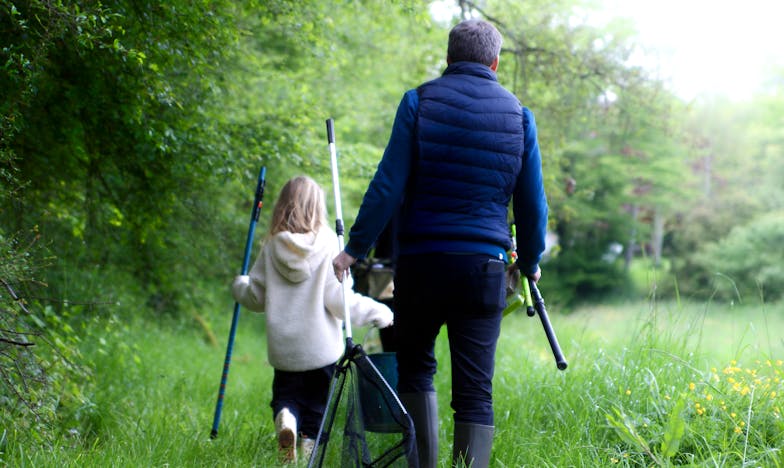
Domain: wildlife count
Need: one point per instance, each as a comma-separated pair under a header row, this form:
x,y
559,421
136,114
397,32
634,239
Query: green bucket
x,y
376,415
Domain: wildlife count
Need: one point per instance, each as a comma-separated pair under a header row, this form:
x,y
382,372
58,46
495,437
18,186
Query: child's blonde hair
x,y
300,208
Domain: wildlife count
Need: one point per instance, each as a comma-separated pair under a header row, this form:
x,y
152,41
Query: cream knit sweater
x,y
292,281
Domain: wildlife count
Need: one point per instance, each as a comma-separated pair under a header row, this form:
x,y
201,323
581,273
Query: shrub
x,y
751,257
40,363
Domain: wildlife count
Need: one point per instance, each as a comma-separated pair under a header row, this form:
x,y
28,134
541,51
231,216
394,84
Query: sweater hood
x,y
297,255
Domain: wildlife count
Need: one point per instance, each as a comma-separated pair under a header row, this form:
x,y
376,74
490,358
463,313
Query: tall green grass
x,y
648,384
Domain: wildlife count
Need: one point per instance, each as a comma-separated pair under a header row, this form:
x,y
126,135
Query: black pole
x,y
560,361
254,217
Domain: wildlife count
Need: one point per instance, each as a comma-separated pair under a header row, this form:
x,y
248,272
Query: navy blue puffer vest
x,y
469,153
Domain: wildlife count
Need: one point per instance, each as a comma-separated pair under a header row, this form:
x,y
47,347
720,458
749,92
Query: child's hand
x,y
379,323
384,324
241,283
241,280
384,320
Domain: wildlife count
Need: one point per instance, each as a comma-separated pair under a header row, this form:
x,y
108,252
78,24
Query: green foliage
x,y
135,126
751,256
41,365
626,428
115,137
718,398
724,410
674,431
143,123
584,275
619,178
309,61
613,153
670,412
131,134
736,147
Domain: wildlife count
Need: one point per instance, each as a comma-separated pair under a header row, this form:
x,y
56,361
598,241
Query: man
x,y
461,148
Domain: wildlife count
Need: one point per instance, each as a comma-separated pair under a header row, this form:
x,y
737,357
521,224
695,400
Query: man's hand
x,y
341,264
535,275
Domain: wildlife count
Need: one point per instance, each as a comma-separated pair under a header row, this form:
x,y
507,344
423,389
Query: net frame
x,y
355,362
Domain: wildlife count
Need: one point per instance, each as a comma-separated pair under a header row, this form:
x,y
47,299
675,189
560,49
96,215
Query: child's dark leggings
x,y
304,394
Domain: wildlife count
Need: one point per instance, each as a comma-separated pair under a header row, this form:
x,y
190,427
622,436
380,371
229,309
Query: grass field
x,y
648,384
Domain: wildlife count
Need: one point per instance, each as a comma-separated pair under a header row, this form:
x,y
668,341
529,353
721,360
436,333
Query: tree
x,y
737,153
113,127
613,152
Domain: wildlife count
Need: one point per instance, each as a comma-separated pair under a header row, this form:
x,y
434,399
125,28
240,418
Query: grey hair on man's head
x,y
474,40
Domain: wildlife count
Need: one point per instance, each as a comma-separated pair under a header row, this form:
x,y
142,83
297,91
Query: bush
x,y
581,275
751,258
40,364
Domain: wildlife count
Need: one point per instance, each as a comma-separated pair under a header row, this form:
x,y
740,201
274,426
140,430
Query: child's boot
x,y
306,446
286,429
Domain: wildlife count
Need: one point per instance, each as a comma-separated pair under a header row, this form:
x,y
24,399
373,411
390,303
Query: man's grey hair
x,y
474,40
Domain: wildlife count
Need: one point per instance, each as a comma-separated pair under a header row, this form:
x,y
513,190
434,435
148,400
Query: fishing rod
x,y
254,218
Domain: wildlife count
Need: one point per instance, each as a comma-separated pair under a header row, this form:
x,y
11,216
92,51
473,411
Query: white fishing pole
x,y
339,218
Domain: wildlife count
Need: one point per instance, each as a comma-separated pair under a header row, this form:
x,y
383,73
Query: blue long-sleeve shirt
x,y
387,189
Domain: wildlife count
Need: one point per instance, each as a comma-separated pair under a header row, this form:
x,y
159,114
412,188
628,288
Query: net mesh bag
x,y
365,425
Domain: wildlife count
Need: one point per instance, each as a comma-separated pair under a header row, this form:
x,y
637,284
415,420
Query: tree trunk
x,y
630,246
657,236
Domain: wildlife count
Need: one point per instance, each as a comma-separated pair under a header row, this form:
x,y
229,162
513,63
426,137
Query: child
x,y
293,282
